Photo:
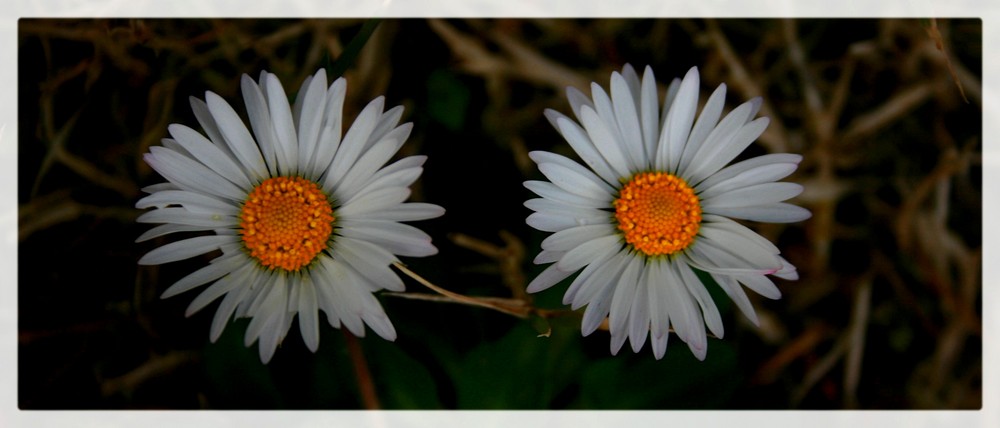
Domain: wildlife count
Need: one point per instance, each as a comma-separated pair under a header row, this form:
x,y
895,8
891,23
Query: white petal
x,y
604,276
411,211
208,124
225,311
672,89
260,121
555,221
736,294
547,278
185,217
399,238
755,195
373,159
573,237
209,154
703,163
649,112
168,228
721,152
191,175
714,221
577,100
310,117
755,176
621,300
740,245
324,294
547,256
185,249
607,142
386,123
268,306
706,121
659,308
760,284
193,201
590,252
759,169
582,145
772,213
638,317
573,181
552,192
605,111
597,309
372,201
329,137
308,313
377,273
286,143
375,317
224,285
677,126
237,137
697,289
684,315
354,143
628,121
218,268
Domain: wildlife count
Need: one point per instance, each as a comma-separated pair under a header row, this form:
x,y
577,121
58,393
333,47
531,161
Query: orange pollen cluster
x,y
658,213
286,222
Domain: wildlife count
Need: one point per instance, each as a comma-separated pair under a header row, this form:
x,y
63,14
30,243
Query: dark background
x,y
886,314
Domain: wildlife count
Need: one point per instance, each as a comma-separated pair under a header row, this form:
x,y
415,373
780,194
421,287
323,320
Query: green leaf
x,y
447,99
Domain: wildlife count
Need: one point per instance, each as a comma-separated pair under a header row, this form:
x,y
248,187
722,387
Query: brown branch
x,y
366,386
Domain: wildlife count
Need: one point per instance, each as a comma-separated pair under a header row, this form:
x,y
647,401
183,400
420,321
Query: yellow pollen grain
x,y
282,220
658,213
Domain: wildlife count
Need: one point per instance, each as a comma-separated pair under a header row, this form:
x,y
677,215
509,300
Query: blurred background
x,y
886,314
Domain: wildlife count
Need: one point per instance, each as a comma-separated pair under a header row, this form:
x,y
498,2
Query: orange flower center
x,y
658,213
286,222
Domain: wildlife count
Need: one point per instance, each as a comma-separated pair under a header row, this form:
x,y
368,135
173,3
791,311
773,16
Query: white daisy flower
x,y
306,220
655,202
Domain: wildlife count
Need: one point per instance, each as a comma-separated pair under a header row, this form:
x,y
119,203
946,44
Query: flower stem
x,y
365,384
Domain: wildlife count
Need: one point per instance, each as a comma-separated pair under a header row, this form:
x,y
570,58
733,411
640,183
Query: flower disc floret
x,y
286,222
658,213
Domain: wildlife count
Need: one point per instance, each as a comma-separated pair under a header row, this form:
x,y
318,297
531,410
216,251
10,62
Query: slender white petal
x,y
574,182
190,175
628,121
184,249
310,117
549,277
193,201
771,213
678,122
568,239
286,143
236,136
555,193
607,142
260,122
353,144
582,144
218,268
638,316
706,122
649,117
755,195
308,310
329,137
209,154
